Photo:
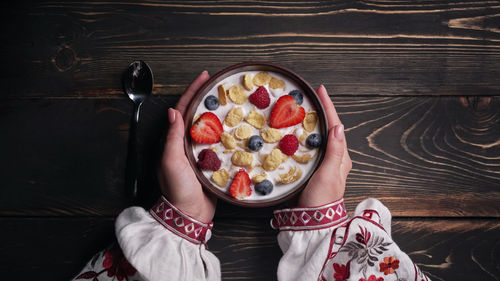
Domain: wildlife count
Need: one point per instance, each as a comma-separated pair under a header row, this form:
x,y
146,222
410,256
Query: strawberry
x,y
240,187
207,129
260,98
286,113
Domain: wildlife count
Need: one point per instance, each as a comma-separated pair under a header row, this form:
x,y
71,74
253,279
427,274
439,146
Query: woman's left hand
x,y
177,179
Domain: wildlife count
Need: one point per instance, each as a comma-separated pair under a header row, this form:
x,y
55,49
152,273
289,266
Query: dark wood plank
x,y
74,48
56,249
441,151
67,156
51,249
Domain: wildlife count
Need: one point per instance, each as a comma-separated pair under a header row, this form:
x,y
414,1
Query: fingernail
x,y
204,71
323,86
339,132
171,115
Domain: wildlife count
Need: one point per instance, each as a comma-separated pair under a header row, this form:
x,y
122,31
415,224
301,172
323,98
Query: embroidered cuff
x,y
296,219
179,223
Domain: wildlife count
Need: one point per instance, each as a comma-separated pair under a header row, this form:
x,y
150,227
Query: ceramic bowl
x,y
306,89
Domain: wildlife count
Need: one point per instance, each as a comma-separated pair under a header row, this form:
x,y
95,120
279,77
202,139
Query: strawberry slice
x,y
240,187
286,113
207,129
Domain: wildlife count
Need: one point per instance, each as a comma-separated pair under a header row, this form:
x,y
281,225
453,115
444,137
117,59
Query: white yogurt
x,y
279,190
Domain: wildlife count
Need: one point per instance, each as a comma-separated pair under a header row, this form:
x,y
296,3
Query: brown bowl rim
x,y
195,101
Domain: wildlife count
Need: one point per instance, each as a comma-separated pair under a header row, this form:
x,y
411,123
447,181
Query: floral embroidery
x,y
341,271
372,278
366,248
388,265
114,264
364,236
117,265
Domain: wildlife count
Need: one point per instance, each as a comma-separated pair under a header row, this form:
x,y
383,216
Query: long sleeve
x,y
359,248
304,239
162,244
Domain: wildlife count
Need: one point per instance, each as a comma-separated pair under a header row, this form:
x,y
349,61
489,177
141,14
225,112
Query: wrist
x,y
180,223
310,218
197,205
195,210
317,200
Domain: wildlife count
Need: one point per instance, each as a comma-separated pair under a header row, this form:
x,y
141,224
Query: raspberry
x,y
260,98
208,160
289,144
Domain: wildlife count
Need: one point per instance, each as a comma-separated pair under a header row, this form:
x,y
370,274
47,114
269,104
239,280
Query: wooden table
x,y
417,85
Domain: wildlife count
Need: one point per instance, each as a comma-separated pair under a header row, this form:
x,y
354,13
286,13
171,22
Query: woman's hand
x,y
328,182
177,179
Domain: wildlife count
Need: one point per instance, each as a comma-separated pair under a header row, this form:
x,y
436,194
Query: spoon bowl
x,y
138,81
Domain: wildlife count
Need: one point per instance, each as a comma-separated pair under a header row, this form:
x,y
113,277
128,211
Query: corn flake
x,y
243,132
293,175
276,83
220,177
259,178
271,135
261,78
234,117
222,95
242,158
237,94
273,160
255,119
247,82
309,122
227,140
303,159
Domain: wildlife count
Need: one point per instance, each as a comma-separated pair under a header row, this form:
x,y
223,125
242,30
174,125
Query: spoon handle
x,y
133,166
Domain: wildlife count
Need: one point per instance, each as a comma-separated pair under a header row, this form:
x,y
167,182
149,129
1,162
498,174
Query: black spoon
x,y
138,85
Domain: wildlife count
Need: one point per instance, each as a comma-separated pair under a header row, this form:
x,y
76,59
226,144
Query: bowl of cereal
x,y
255,134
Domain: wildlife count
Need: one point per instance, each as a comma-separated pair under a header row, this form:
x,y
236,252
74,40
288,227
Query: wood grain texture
x,y
427,156
56,249
416,83
71,48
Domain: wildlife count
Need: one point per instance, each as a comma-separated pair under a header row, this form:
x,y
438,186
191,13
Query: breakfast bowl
x,y
255,134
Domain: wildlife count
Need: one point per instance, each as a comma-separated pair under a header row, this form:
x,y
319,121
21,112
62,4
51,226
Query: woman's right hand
x,y
328,182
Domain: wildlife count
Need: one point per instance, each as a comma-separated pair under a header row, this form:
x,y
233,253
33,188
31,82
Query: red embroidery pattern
x,y
114,264
179,223
341,271
310,218
117,265
372,278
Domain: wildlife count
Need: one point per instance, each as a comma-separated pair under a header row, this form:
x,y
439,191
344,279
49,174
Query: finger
x,y
174,144
190,91
335,149
331,113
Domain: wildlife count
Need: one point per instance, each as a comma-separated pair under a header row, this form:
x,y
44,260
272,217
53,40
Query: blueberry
x,y
313,140
211,103
264,187
255,143
297,95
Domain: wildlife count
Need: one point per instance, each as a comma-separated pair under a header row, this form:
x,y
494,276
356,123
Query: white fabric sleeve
x,y
363,249
162,244
305,239
166,244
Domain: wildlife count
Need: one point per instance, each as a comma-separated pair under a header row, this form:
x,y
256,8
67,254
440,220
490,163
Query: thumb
x,y
334,148
174,144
